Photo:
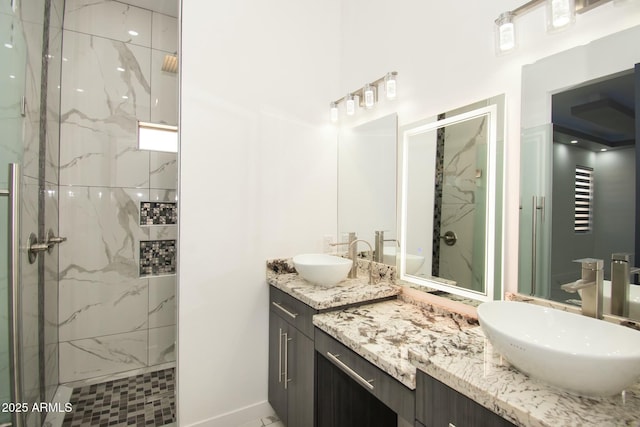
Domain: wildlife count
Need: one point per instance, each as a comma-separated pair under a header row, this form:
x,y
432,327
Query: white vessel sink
x,y
322,269
576,353
412,262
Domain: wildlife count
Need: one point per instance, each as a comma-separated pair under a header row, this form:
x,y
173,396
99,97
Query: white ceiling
x,y
168,7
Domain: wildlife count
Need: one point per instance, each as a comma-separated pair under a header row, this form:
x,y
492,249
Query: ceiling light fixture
x,y
367,95
560,14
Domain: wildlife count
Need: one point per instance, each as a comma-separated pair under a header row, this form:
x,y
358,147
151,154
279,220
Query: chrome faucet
x,y
353,248
620,273
353,256
591,285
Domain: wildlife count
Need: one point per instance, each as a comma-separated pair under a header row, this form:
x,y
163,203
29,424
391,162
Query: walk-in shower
x,y
89,313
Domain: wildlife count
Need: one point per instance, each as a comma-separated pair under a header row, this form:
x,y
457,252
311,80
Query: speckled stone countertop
x,y
281,274
382,333
467,363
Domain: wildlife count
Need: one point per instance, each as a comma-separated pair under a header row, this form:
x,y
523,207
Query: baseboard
x,y
238,417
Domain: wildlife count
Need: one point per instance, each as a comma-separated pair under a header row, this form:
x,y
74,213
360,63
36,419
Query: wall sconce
x,y
559,14
367,96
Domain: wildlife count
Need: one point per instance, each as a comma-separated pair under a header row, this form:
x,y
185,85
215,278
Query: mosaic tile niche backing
x,y
158,213
157,257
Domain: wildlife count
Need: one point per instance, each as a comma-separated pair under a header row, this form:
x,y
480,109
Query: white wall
x,y
258,172
258,180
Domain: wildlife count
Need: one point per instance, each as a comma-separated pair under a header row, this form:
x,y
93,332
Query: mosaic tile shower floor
x,y
143,400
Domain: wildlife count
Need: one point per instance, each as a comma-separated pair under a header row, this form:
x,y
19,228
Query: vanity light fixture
x,y
559,15
390,84
367,96
333,111
350,104
505,32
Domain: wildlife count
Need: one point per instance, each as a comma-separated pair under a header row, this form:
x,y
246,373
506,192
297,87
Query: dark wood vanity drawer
x,y
439,405
377,382
295,312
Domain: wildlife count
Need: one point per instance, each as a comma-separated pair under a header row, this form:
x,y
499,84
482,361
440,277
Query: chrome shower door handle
x,y
53,240
13,193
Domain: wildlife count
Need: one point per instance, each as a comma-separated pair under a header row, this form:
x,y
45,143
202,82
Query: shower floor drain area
x,y
143,400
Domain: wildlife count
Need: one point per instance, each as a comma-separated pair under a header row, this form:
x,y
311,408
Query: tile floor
x,y
271,421
143,400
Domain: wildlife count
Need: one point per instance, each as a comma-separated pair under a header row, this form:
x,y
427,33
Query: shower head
x,y
170,63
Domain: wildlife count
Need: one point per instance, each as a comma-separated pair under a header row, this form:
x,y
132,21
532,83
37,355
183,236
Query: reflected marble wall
x,y
112,320
463,195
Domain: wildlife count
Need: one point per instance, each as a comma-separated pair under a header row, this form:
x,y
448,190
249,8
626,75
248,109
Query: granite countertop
x,y
466,362
383,332
281,274
402,335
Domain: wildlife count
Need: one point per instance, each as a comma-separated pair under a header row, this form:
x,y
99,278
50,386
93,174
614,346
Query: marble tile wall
x,y
111,319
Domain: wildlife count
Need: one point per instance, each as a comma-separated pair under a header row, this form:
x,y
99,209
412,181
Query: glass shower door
x,y
12,89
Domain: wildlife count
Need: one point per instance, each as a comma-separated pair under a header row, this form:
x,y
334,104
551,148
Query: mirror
x,y
578,132
367,179
450,201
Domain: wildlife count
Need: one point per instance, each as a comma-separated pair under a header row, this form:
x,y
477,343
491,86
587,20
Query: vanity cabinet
x,y
291,359
353,392
438,405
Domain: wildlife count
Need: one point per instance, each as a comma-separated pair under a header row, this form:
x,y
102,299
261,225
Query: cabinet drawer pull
x,y
286,359
347,370
284,310
280,356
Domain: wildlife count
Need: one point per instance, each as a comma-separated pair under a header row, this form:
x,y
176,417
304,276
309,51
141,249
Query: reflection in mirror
x,y
367,181
578,170
450,201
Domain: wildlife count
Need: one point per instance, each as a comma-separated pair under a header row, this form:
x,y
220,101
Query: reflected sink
x,y
576,353
322,269
412,263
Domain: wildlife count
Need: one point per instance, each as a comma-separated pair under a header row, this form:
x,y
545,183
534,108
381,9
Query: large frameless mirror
x,y
367,180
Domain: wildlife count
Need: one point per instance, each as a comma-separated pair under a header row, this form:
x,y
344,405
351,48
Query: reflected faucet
x,y
591,284
379,243
620,283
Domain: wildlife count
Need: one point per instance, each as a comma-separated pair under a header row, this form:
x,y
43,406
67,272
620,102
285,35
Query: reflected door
x,y
12,89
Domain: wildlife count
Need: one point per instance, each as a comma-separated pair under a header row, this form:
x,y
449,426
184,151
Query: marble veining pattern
x,y
382,333
350,291
467,362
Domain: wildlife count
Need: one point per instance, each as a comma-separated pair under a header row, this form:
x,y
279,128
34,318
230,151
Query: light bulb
x,y
560,13
369,96
505,33
390,85
350,105
333,111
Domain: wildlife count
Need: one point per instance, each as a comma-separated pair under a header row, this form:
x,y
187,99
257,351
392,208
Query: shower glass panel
x,y
12,87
